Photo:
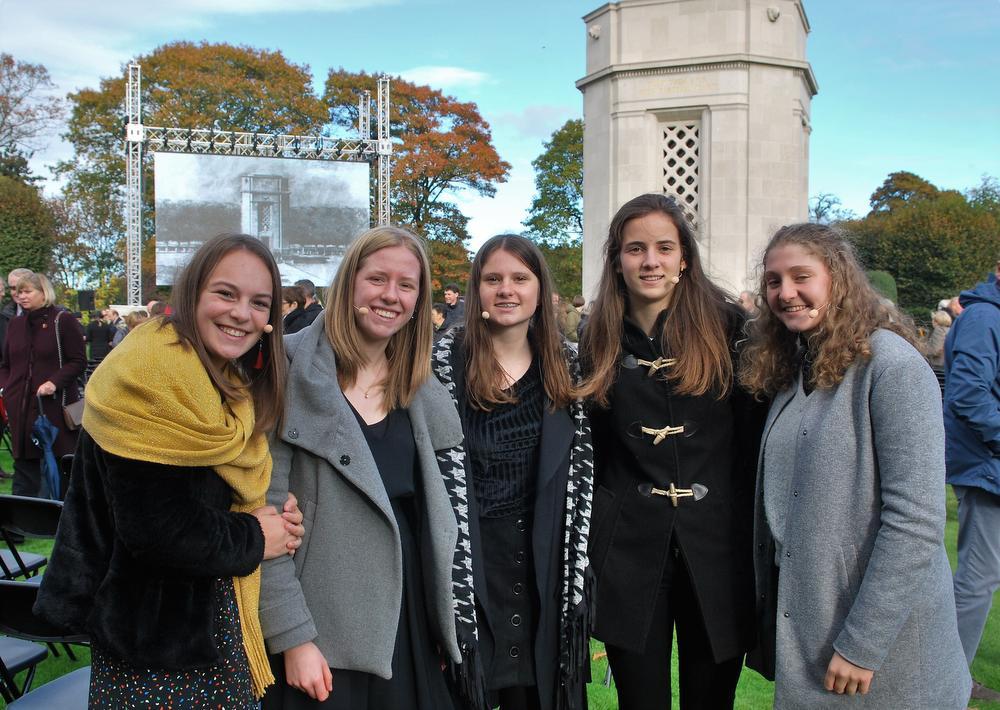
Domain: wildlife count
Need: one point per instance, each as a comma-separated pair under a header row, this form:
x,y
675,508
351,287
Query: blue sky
x,y
903,85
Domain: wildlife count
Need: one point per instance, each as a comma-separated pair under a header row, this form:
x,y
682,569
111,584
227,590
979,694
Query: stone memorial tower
x,y
704,100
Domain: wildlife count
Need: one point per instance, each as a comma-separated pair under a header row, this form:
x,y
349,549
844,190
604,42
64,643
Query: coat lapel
x,y
313,383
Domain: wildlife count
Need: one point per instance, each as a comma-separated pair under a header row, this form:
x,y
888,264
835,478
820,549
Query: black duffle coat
x,y
631,531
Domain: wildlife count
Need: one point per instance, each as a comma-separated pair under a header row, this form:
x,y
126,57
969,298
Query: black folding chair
x,y
24,517
18,621
17,655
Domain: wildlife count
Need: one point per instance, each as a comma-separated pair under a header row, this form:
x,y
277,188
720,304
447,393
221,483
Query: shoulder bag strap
x,y
59,352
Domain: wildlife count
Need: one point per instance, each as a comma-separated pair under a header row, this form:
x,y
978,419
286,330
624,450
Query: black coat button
x,y
787,614
519,557
513,652
788,554
520,524
293,434
517,588
795,494
345,460
515,620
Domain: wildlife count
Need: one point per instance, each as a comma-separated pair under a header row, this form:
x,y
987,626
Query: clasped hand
x,y
282,531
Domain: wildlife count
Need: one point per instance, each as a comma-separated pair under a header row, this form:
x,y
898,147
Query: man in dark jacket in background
x,y
99,334
972,452
455,307
313,307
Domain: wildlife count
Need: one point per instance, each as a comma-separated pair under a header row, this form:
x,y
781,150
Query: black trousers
x,y
643,679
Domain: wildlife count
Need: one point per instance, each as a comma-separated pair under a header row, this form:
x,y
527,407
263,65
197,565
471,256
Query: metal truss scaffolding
x,y
376,151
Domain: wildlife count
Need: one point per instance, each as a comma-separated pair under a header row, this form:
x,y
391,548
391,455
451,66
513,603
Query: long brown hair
x,y
267,385
695,328
409,349
483,373
855,310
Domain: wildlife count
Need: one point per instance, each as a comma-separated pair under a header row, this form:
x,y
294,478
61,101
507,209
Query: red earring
x,y
259,364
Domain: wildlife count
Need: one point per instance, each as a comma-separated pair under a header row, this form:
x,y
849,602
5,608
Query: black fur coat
x,y
138,550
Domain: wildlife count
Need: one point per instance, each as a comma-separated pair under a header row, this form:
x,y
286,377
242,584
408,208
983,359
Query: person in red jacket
x,y
33,371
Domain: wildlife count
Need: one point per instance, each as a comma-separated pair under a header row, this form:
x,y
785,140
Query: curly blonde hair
x,y
768,363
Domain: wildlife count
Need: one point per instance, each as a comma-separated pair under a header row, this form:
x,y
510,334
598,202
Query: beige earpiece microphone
x,y
486,315
363,310
268,328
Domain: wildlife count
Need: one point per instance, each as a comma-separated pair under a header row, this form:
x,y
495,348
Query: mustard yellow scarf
x,y
152,400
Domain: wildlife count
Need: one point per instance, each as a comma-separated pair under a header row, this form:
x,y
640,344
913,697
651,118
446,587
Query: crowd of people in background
x,y
396,503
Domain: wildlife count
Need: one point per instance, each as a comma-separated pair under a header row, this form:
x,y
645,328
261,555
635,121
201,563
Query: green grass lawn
x,y
753,691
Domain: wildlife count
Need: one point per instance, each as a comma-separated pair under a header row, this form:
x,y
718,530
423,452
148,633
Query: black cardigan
x,y
137,552
630,532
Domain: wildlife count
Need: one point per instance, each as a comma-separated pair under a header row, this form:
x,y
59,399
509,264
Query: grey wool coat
x,y
863,568
343,588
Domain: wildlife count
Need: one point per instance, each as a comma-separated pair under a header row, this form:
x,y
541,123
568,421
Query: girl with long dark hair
x,y
673,453
528,445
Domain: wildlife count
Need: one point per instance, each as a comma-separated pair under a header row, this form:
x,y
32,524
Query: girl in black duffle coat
x,y
674,448
530,472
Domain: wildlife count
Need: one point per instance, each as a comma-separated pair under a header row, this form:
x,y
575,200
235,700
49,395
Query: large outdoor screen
x,y
306,211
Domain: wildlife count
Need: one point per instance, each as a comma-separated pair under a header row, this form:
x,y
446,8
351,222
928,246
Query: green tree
x,y
900,188
186,85
556,214
26,227
566,266
934,245
442,146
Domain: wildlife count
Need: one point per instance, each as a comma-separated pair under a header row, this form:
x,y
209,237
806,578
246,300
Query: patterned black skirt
x,y
115,683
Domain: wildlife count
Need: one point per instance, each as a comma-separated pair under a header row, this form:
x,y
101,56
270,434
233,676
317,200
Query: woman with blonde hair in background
x,y
43,358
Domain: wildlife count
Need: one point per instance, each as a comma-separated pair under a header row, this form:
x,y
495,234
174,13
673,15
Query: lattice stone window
x,y
681,147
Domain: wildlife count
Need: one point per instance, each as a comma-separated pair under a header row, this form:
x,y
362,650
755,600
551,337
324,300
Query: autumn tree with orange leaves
x,y
185,85
442,146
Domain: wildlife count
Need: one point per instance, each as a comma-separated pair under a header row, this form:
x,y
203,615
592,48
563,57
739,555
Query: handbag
x,y
72,413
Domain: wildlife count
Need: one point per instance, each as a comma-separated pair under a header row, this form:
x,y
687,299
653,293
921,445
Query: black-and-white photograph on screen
x,y
306,211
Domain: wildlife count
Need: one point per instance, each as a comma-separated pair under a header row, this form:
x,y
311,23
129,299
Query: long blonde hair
x,y
409,349
768,364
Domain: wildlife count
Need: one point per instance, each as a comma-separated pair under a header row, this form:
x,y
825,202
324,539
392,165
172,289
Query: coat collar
x,y
323,423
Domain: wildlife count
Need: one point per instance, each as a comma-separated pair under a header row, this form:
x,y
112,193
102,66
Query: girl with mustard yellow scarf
x,y
165,524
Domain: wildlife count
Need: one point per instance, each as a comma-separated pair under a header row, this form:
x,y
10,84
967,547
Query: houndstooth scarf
x,y
576,590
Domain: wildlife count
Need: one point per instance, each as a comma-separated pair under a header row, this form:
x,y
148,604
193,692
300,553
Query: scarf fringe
x,y
469,679
575,665
253,642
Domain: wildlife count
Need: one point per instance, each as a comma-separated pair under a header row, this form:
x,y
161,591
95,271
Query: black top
x,y
502,448
417,681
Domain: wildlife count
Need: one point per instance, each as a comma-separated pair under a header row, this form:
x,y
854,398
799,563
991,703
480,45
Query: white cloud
x,y
81,42
444,77
538,121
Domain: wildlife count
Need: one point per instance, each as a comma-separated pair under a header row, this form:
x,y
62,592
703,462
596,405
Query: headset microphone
x,y
814,312
363,310
486,315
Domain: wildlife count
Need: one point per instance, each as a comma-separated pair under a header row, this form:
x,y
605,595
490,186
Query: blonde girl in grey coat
x,y
853,585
